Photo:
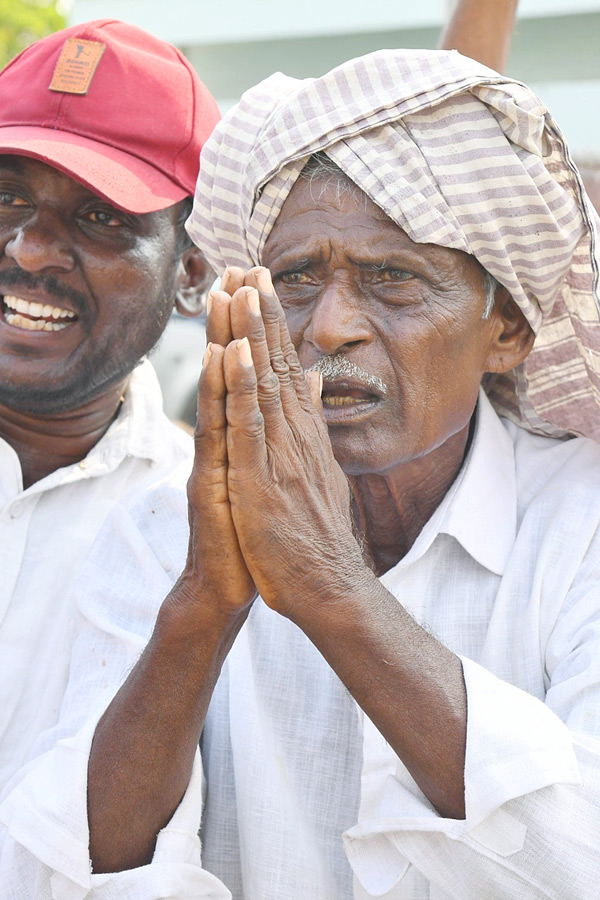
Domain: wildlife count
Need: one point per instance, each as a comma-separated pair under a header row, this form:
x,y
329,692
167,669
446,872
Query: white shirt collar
x,y
138,431
480,508
483,513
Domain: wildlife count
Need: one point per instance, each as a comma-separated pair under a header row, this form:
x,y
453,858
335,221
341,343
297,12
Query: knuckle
x,y
270,315
269,384
279,364
288,349
246,389
247,422
204,430
253,426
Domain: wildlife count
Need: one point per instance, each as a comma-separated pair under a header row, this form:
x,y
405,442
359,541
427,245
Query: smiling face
x,y
86,289
396,327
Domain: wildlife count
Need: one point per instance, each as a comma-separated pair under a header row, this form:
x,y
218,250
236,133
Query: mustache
x,y
12,278
332,367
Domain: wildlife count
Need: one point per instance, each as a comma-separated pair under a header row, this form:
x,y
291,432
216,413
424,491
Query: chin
x,y
357,458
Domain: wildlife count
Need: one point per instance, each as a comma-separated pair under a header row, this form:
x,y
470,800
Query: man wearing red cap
x,y
101,127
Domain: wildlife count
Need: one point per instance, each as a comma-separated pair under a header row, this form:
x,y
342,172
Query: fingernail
x,y
263,280
224,276
253,302
207,355
209,303
320,384
244,353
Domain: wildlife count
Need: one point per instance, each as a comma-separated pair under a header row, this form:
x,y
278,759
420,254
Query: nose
x,y
339,320
40,244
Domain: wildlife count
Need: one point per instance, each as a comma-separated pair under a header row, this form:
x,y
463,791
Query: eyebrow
x,y
376,258
295,265
384,264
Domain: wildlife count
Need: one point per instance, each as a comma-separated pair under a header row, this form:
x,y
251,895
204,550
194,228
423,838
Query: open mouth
x,y
354,398
35,316
339,396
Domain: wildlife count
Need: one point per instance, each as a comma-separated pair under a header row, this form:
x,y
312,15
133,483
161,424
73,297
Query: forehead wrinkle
x,y
287,236
327,215
380,251
300,250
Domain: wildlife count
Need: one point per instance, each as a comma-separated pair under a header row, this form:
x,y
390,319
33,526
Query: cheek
x,y
437,368
113,275
454,343
140,281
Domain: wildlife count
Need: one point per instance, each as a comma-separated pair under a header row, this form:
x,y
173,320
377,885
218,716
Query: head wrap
x,y
456,155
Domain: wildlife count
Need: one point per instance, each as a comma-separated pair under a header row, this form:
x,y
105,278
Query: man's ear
x,y
512,335
194,277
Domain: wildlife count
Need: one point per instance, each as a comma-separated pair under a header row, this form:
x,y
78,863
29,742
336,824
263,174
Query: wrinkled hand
x,y
289,498
215,566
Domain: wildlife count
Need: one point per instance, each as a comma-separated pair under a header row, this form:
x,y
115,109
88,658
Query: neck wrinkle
x,y
391,509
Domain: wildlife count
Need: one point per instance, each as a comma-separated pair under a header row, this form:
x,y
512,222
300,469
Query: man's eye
x,y
294,278
7,198
395,275
101,217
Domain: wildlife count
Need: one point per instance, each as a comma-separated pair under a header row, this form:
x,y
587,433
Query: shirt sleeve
x,y
532,786
44,842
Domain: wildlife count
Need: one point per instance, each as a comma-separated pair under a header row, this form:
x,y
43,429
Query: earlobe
x,y
512,337
194,277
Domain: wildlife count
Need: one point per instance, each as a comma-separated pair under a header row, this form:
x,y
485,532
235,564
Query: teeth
x,y
33,324
341,401
39,312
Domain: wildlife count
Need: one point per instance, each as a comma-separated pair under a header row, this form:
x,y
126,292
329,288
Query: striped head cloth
x,y
456,155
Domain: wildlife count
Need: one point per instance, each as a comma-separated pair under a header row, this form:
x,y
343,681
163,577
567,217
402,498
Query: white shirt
x,y
507,574
305,801
45,533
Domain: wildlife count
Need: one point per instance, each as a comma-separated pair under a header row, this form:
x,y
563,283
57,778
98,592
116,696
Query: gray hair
x,y
322,171
320,168
490,285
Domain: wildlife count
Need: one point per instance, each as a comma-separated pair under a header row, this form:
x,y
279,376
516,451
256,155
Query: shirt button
x,y
16,509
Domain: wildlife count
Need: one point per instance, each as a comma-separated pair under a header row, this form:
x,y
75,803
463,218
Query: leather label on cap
x,y
76,66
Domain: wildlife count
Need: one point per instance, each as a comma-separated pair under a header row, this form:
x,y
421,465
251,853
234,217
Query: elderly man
x,y
101,127
410,709
473,756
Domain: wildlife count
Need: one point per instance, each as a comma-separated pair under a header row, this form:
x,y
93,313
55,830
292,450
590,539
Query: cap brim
x,y
125,181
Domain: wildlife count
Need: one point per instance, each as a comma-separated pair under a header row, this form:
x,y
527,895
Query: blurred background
x,y
234,44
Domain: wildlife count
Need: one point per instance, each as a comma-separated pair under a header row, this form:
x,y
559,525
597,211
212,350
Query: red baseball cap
x,y
117,109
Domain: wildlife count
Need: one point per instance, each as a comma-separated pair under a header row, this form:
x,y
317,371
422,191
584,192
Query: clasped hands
x,y
269,505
